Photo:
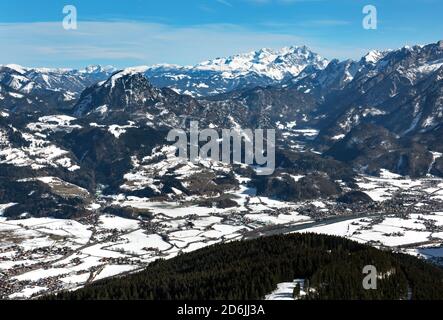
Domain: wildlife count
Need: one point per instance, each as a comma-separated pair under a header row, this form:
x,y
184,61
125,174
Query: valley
x,y
40,255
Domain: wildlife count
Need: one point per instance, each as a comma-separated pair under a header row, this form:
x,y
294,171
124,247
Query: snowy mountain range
x,y
258,68
70,81
390,100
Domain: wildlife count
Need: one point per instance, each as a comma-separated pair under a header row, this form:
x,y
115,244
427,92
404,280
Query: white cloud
x,y
325,23
224,2
126,43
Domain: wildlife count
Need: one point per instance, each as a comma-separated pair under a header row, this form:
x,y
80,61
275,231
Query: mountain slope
x,y
129,95
404,85
45,90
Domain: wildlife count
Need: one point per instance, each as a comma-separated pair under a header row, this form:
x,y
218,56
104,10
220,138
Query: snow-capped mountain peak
x,y
129,71
118,75
374,56
275,64
97,69
15,67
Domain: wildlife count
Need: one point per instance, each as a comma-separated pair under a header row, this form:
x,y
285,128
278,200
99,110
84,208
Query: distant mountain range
x,y
46,88
259,68
26,80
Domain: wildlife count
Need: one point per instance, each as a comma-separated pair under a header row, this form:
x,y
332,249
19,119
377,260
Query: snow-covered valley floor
x,y
41,255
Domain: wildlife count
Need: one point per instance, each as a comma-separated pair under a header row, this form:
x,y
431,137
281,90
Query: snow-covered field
x,y
415,228
285,290
387,231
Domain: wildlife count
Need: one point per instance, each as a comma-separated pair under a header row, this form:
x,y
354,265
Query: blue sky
x,y
145,32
